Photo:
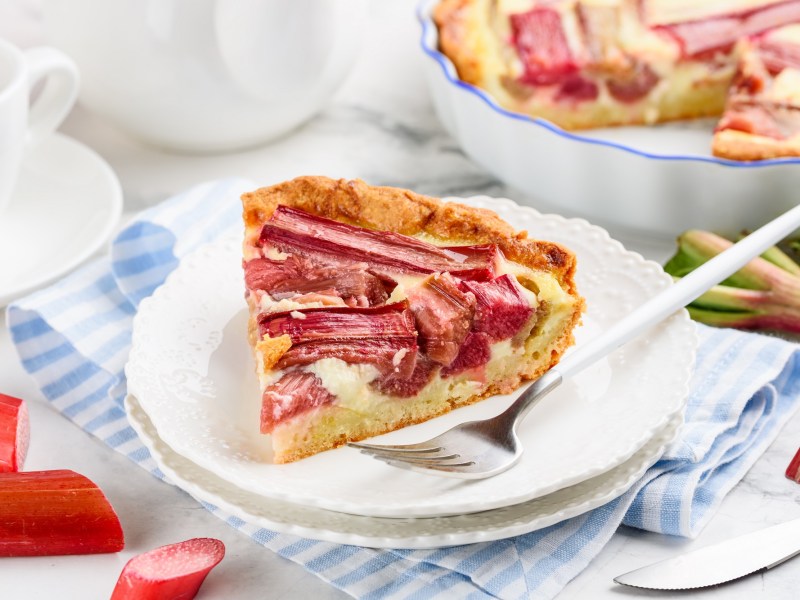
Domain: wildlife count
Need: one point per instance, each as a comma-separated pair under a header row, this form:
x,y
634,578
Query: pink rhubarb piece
x,y
173,572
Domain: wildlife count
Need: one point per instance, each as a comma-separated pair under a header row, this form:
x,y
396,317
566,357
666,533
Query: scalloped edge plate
x,y
190,357
377,532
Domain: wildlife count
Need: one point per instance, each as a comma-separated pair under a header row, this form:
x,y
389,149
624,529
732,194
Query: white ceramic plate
x,y
190,367
65,206
376,532
660,179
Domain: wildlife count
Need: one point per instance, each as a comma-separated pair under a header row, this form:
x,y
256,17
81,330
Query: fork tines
x,y
413,455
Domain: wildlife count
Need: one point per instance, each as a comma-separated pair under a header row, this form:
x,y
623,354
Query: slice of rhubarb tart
x,y
373,308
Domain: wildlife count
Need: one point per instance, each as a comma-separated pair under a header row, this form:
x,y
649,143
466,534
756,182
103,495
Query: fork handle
x,y
681,293
657,309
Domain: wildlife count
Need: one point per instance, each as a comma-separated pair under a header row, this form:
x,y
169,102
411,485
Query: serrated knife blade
x,y
722,562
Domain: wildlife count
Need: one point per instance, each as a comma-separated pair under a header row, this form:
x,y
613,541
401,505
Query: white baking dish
x,y
660,179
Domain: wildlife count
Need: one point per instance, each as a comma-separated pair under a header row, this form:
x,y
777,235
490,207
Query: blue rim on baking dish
x,y
429,44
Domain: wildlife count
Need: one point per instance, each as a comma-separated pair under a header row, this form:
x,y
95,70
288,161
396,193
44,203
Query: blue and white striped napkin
x,y
73,338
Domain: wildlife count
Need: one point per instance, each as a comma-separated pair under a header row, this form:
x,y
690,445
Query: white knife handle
x,y
681,293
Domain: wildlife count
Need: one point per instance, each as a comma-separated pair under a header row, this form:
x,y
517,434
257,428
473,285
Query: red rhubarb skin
x,y
15,433
793,471
47,513
173,572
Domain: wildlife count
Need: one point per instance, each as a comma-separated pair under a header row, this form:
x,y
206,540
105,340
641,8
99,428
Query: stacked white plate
x,y
194,401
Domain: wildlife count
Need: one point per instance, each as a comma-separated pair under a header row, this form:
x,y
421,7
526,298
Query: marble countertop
x,y
380,127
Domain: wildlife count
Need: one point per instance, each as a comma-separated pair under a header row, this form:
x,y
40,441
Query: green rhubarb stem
x,y
764,294
742,320
780,259
727,298
696,247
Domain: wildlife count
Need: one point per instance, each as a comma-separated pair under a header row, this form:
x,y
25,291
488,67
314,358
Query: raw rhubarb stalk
x,y
15,433
294,393
793,470
173,572
443,316
764,294
538,36
291,230
384,336
55,512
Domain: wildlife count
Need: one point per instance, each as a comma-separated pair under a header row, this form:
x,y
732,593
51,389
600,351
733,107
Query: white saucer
x,y
65,206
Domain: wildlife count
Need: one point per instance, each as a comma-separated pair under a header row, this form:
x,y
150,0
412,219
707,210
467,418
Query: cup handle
x,y
61,80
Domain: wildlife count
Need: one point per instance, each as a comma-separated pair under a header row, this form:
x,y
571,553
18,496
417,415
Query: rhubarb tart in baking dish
x,y
373,308
595,63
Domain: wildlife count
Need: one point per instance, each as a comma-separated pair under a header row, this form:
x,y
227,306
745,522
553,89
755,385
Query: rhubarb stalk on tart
x,y
373,308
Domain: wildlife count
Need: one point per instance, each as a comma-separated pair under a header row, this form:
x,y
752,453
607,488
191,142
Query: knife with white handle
x,y
720,563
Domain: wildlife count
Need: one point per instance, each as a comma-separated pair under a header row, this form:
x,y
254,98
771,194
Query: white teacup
x,y
24,124
207,75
